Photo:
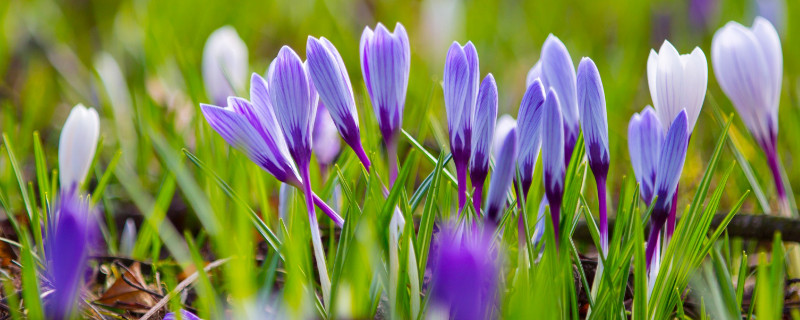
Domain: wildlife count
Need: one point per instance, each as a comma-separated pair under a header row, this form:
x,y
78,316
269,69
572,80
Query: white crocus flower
x,y
224,64
77,145
677,82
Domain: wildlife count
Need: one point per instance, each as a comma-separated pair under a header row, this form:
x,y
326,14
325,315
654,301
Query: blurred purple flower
x,y
485,117
703,13
553,156
530,121
465,275
326,143
558,73
748,63
461,77
504,169
68,243
645,137
224,64
385,64
185,315
594,122
328,76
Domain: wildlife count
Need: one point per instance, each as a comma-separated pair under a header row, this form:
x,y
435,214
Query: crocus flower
x,y
703,13
670,166
76,146
530,120
224,64
329,76
558,73
677,82
465,275
253,128
67,247
645,137
385,64
748,64
460,95
594,122
534,73
504,169
553,156
185,315
485,117
325,139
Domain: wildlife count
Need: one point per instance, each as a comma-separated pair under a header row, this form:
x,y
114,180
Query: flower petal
x,y
77,145
594,120
558,73
553,148
645,138
485,117
534,73
326,143
530,120
670,163
294,102
504,170
332,82
224,64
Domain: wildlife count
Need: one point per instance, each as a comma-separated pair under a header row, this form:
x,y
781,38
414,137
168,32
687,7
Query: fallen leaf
x,y
125,296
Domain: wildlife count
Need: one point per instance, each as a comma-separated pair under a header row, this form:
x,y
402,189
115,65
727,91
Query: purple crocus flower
x,y
553,156
645,137
67,244
670,166
703,13
185,315
325,139
329,76
465,275
461,72
485,117
530,120
594,122
385,64
504,169
558,73
253,128
748,63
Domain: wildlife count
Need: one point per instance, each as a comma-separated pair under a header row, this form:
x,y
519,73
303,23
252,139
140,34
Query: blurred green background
x,y
55,54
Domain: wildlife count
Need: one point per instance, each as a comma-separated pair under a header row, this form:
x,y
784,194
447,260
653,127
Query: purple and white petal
x,y
534,73
224,64
670,164
594,120
645,137
483,130
460,95
530,120
558,73
553,149
326,143
504,170
185,315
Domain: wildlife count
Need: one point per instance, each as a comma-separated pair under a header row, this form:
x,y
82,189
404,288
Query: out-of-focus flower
x,y
677,82
119,96
645,137
465,275
184,315
504,169
703,13
67,244
594,122
553,156
326,143
670,166
224,64
76,146
461,77
773,11
128,238
530,121
558,73
329,77
485,117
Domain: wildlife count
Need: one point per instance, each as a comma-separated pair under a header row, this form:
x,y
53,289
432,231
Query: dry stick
x,y
185,283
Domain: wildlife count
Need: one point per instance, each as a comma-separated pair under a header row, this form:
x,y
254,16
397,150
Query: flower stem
x,y
461,173
337,219
602,207
316,240
785,209
391,150
672,217
476,198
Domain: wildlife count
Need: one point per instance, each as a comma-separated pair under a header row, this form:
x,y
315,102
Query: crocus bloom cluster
x,y
461,76
224,64
329,76
385,64
748,64
505,166
484,124
553,156
465,275
67,248
76,146
594,122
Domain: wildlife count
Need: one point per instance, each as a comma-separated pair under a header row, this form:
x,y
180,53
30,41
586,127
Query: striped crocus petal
x,y
677,82
67,245
331,80
385,64
485,117
504,170
594,120
460,95
237,124
185,315
670,165
224,64
76,146
292,95
530,120
326,143
465,275
534,73
645,137
558,73
553,149
748,64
